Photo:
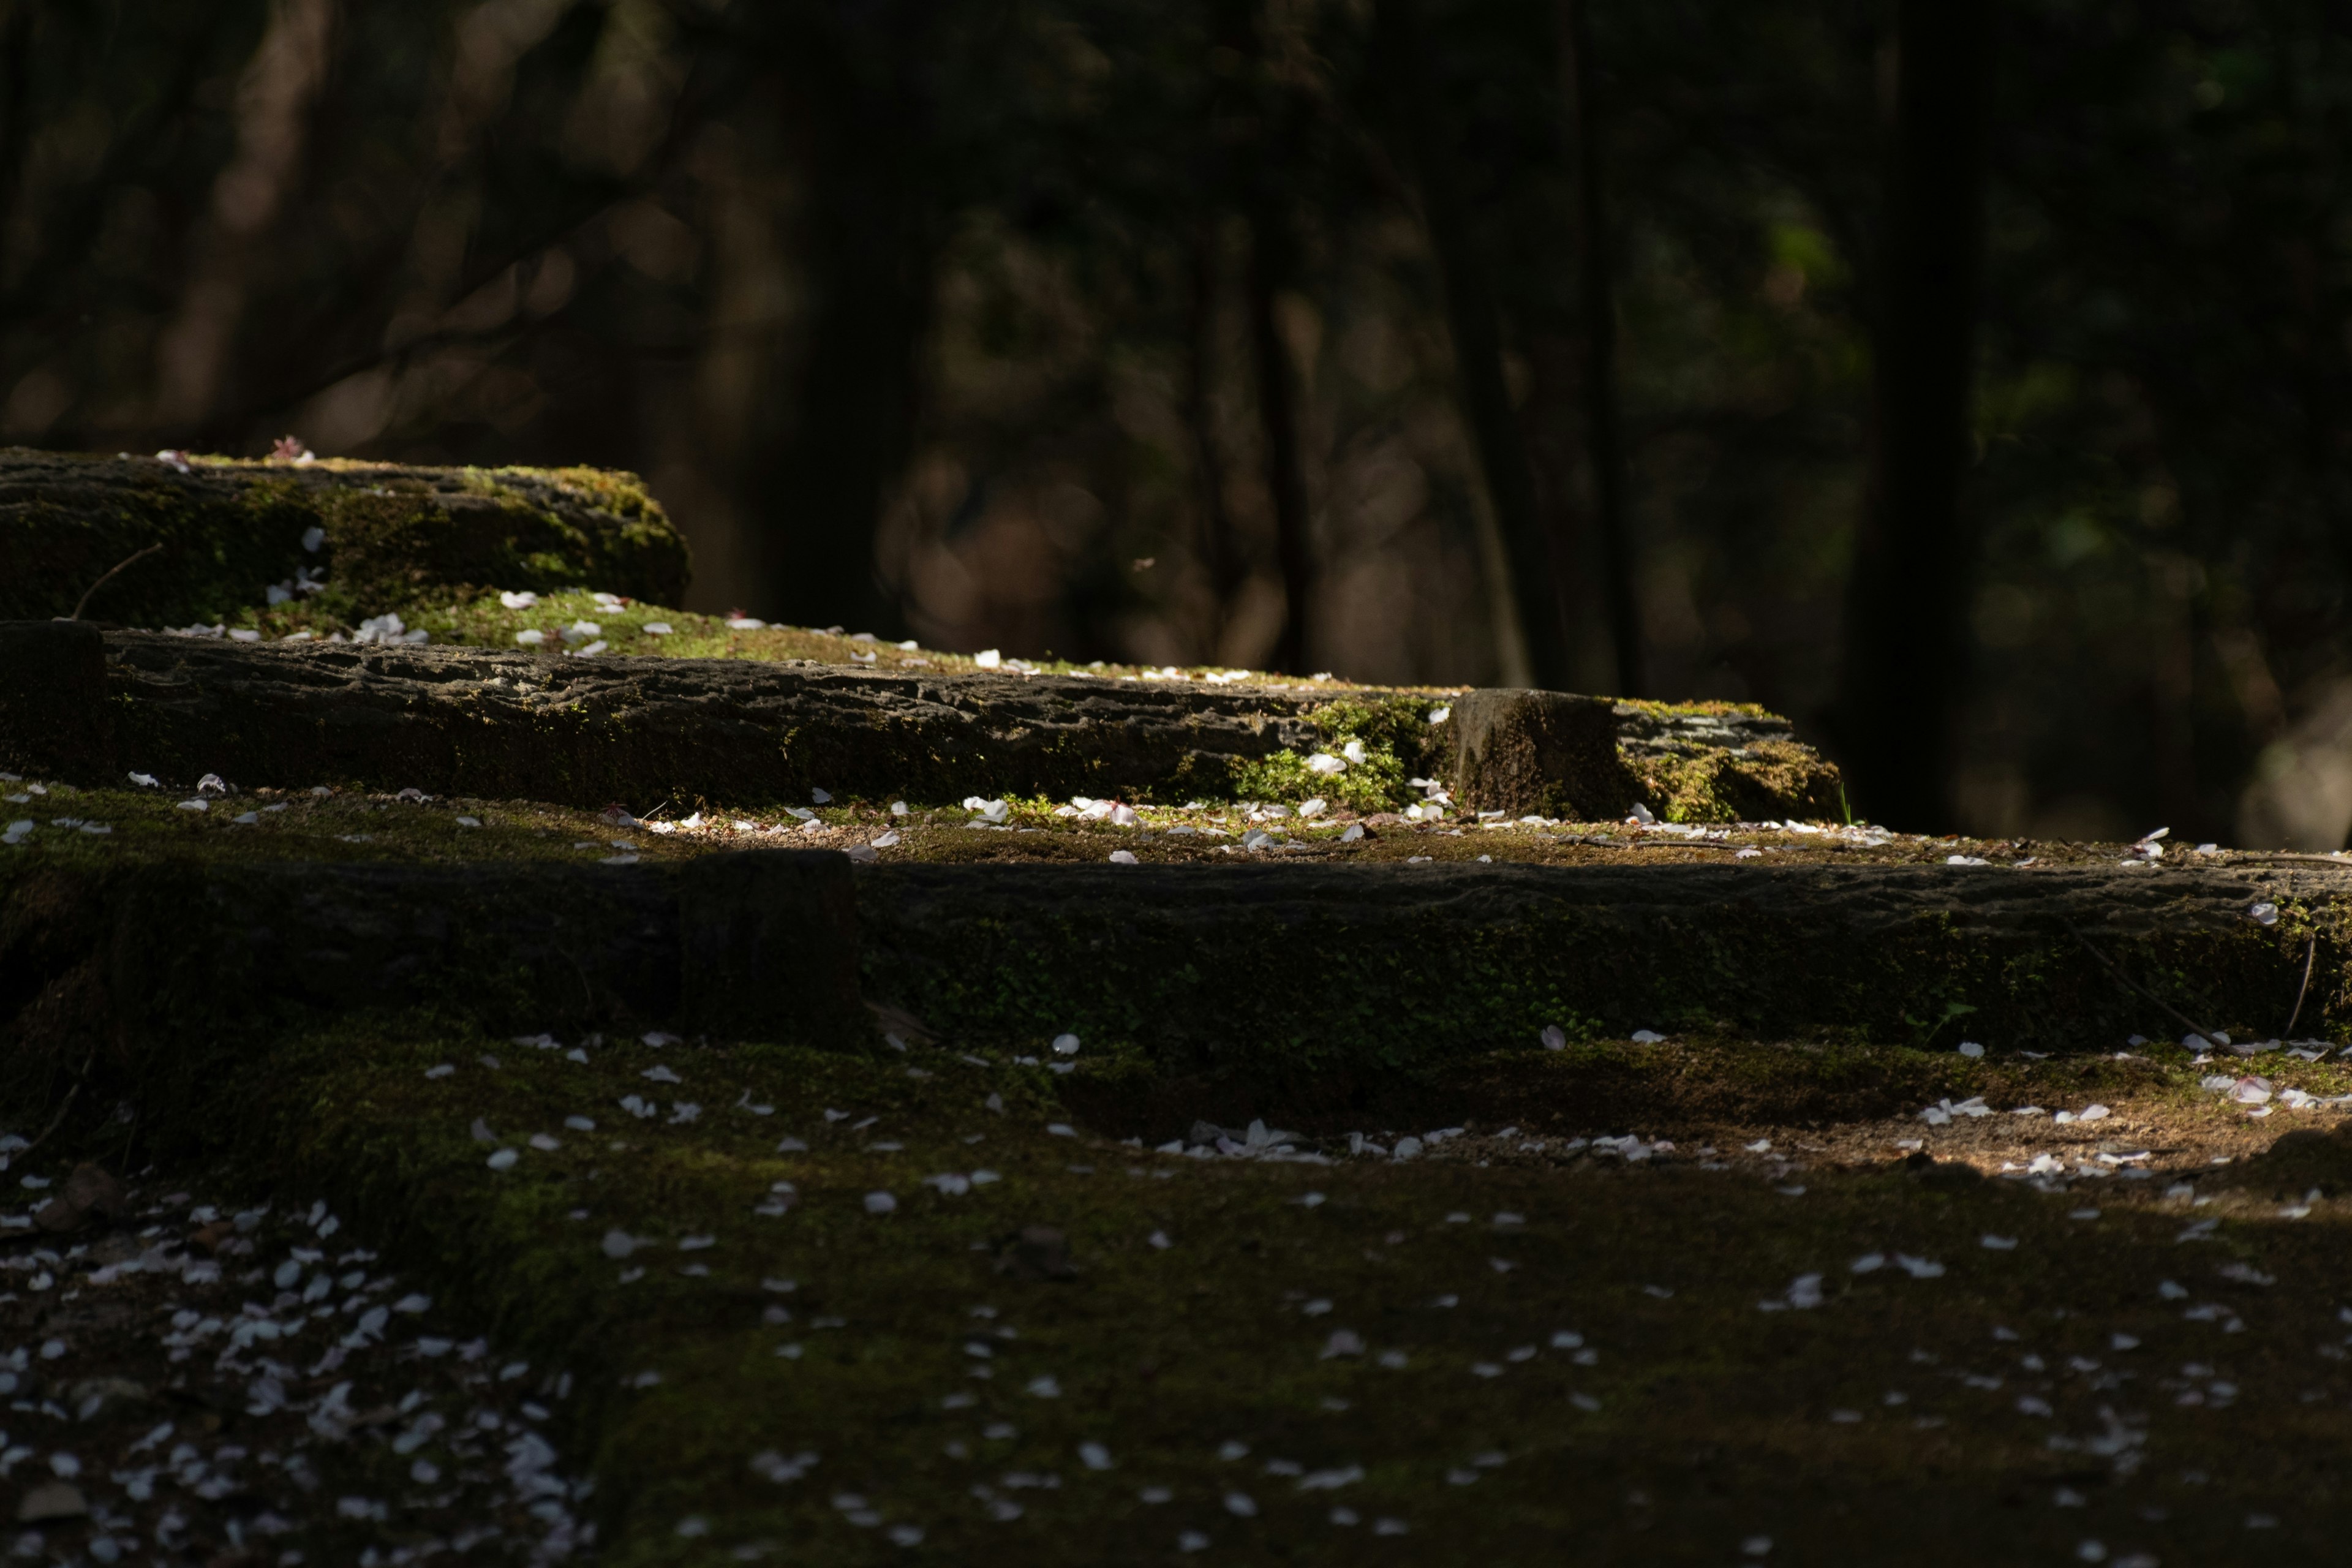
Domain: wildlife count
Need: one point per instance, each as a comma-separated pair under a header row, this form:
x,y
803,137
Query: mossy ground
x,y
484,620
351,823
1894,1420
1987,1413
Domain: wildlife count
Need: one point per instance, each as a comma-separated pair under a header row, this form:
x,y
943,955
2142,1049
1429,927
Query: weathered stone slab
x,y
229,529
54,716
1326,975
154,971
639,730
1529,752
1313,979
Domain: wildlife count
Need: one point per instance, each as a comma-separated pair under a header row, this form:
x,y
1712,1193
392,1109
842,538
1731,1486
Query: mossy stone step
x,y
1326,978
767,1252
812,1318
1311,987
90,706
147,977
386,536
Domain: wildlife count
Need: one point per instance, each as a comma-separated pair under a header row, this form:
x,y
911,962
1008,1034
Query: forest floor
x,y
853,1309
950,1295
91,826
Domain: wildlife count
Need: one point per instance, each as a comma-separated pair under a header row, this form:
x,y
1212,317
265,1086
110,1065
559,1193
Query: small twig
x,y
2305,990
2286,857
2200,1030
57,1120
84,601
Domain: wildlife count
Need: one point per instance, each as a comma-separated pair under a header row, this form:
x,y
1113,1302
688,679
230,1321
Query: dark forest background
x,y
1971,382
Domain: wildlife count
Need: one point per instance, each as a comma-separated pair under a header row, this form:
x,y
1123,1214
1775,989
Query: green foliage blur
x,y
936,319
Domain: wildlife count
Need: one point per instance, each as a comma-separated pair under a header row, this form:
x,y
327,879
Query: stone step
x,y
225,531
91,707
1307,987
1322,978
781,1235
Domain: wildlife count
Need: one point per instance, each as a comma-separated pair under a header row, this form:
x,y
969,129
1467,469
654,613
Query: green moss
x,y
1351,974
1711,708
1376,784
1765,781
1383,977
405,542
1164,1354
218,553
395,538
150,828
1394,729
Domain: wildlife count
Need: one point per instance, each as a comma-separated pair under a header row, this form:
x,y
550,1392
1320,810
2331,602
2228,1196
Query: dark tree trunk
x,y
1278,405
815,500
1255,150
15,105
1476,333
1905,643
1219,550
1596,306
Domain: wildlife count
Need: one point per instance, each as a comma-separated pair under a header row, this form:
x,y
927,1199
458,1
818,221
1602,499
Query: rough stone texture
x,y
1540,751
147,973
53,711
1347,972
641,730
1657,729
1699,765
1313,978
230,530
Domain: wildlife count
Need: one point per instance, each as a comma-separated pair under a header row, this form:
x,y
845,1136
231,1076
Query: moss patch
x,y
1352,971
1581,1349
1764,781
389,538
1386,976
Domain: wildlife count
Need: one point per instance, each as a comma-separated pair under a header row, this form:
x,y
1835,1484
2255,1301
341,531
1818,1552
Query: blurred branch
x,y
695,106
67,254
1258,164
284,399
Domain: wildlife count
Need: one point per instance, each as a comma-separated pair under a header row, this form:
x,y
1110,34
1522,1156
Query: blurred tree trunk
x,y
1905,632
815,502
1597,308
16,103
1257,160
1271,262
1534,556
1219,550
